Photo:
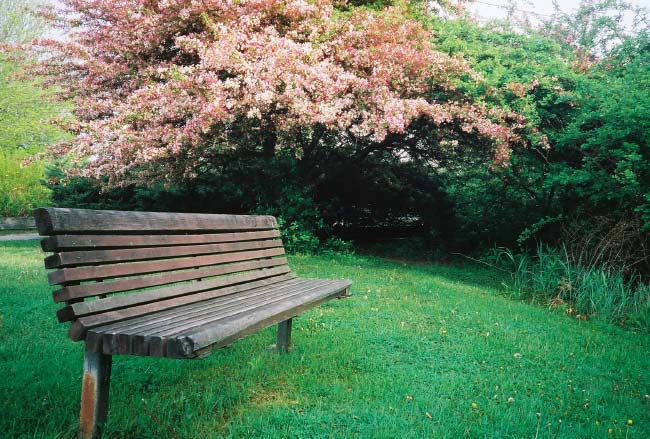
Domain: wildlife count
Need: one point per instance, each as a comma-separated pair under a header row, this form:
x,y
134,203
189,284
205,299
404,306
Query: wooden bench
x,y
194,283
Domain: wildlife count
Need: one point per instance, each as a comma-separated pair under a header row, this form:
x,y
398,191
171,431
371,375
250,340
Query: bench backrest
x,y
161,260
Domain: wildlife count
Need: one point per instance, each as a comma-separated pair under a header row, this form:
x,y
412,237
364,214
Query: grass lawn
x,y
417,352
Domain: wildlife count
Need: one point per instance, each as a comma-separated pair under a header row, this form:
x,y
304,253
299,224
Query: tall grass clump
x,y
553,278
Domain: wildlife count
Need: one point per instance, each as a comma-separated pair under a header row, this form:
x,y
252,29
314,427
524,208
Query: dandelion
x,y
597,423
443,332
629,422
474,405
610,431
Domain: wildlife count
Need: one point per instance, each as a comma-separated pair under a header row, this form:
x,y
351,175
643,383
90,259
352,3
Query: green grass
x,y
412,341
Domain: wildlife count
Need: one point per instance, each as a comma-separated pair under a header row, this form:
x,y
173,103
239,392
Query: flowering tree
x,y
160,87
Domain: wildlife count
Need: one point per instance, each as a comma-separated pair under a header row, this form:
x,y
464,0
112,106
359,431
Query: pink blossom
x,y
155,84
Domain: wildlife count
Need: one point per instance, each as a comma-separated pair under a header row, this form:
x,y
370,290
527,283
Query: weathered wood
x,y
216,310
94,394
66,275
81,325
96,289
150,332
17,224
283,339
201,341
81,309
143,324
59,243
58,221
345,294
152,339
95,257
157,336
133,336
138,326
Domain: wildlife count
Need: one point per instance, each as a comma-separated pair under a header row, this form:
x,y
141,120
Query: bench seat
x,y
193,330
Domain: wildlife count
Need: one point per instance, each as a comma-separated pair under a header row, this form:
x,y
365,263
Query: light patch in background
x,y
536,10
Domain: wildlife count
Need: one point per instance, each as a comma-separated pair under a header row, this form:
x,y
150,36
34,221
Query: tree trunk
x,y
269,138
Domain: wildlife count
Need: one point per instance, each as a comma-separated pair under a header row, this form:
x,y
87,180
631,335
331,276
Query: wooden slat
x,y
142,323
158,340
147,335
58,221
134,336
80,326
58,243
216,310
200,341
66,275
92,257
137,336
121,329
135,283
81,309
186,316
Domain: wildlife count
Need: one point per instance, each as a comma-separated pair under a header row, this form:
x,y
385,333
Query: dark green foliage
x,y
376,192
531,75
244,185
588,158
606,148
310,196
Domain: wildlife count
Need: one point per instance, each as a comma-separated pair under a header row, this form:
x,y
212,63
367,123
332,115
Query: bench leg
x,y
94,394
284,336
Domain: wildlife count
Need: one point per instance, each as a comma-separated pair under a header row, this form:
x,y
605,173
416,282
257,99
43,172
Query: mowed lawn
x,y
417,352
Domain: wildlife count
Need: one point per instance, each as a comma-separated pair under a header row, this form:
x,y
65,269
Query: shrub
x,y
266,186
552,278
